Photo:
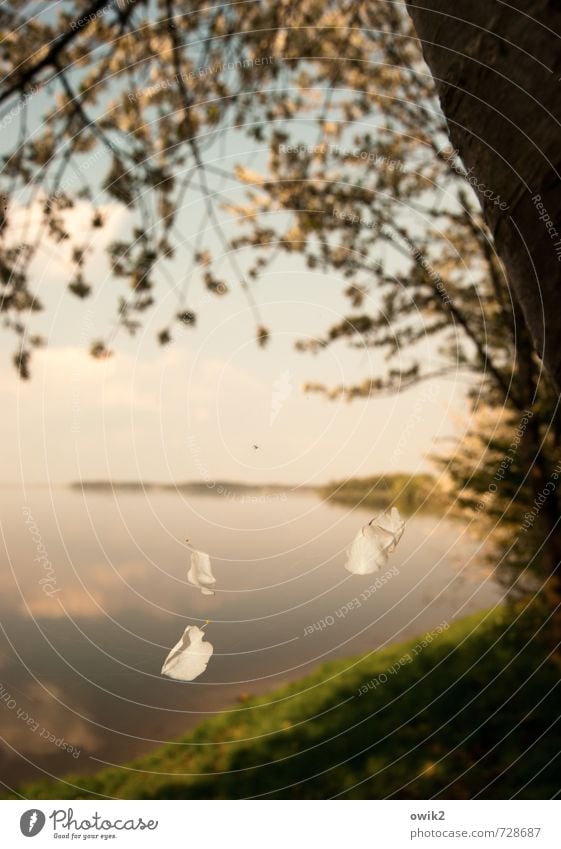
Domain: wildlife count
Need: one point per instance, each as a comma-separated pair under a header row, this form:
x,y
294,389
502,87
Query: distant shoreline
x,y
408,492
198,487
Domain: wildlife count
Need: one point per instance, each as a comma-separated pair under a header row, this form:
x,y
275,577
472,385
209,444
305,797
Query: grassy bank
x,y
475,712
409,493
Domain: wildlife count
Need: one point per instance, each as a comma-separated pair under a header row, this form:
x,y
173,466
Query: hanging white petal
x,y
374,542
200,574
189,658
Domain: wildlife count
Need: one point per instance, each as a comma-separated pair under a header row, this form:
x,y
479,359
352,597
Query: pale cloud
x,y
172,414
53,260
121,417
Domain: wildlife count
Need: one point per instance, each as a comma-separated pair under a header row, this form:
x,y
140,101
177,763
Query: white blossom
x,y
189,658
374,542
200,574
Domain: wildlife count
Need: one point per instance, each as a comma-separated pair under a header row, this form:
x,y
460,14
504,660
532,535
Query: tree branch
x,y
18,81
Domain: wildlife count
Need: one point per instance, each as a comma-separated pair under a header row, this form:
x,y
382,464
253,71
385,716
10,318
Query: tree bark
x,y
497,69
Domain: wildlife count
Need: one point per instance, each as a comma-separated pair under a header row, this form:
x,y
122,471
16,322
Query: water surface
x,y
94,593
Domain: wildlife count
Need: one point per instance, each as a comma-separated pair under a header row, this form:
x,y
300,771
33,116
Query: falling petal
x,y
189,658
200,574
392,523
374,542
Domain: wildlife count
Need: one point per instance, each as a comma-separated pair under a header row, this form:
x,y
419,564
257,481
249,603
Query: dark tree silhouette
x,y
497,68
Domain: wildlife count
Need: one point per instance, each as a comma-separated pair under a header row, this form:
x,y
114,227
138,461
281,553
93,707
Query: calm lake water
x,y
80,656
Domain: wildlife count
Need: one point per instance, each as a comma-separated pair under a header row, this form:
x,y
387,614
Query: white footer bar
x,y
282,824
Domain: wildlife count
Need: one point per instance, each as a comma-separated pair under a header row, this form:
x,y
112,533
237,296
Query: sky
x,y
195,409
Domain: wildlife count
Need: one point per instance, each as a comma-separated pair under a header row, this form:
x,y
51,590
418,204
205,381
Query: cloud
x,y
126,417
171,414
53,261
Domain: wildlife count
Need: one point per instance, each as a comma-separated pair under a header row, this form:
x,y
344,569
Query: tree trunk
x,y
497,69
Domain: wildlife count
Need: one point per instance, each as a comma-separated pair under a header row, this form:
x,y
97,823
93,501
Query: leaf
x,y
119,182
187,317
200,574
79,287
262,336
214,285
21,362
189,657
374,542
100,351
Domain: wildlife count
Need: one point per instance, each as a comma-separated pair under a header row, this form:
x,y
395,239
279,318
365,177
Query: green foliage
x,y
475,713
409,493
